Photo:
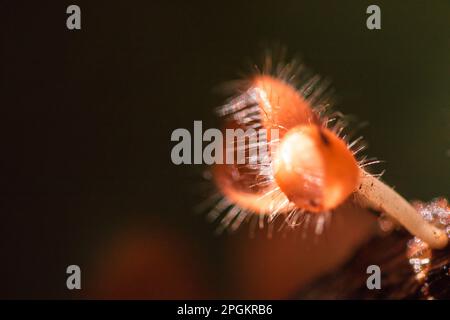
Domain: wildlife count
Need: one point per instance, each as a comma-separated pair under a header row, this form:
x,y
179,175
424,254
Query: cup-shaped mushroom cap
x,y
315,169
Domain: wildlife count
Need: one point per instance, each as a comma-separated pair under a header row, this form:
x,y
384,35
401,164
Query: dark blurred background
x,y
87,118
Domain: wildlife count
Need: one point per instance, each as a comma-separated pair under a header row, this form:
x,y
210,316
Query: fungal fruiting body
x,y
309,169
314,168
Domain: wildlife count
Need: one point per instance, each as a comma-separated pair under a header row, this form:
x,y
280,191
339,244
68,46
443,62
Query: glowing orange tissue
x,y
315,169
310,168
